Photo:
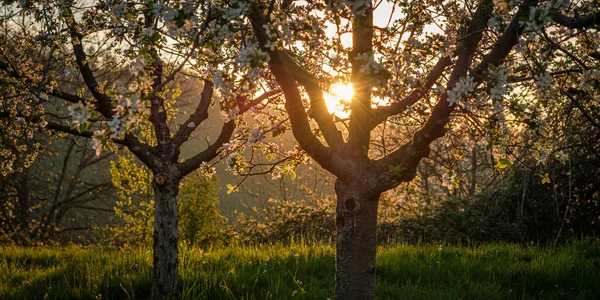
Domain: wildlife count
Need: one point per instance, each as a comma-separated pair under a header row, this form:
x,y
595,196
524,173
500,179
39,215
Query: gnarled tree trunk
x,y
356,220
166,190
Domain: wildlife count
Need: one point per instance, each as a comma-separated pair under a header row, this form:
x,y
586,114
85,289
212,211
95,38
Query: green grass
x,y
307,272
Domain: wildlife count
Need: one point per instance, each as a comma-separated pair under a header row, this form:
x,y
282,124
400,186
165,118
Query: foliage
x,y
106,70
285,221
200,221
521,208
134,210
500,72
305,271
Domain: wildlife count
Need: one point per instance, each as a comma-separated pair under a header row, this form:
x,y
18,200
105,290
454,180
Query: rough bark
x,y
166,189
356,221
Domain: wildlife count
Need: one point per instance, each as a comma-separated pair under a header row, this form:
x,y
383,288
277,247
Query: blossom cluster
x,y
280,35
463,88
138,65
538,18
379,75
252,56
497,81
80,115
589,78
255,136
543,81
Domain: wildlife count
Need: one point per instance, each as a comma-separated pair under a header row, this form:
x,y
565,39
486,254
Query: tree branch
x,y
401,165
585,113
576,22
209,153
514,79
196,118
144,152
103,102
293,104
382,113
67,97
59,94
318,107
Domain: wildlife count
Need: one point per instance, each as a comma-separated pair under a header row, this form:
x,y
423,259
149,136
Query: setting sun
x,y
339,93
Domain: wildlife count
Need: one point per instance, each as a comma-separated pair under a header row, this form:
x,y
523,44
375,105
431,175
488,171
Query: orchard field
x,y
306,270
189,149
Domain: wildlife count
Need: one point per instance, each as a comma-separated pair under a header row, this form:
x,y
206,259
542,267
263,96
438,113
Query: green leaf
x,y
293,174
231,189
83,127
503,163
545,178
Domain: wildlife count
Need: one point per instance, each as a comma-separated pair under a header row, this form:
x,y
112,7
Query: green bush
x,y
200,221
283,221
520,208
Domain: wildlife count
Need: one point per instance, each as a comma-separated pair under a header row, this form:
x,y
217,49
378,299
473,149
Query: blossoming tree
x,y
61,64
415,67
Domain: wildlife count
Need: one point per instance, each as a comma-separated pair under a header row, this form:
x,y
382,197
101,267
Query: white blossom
x,y
148,31
495,23
232,115
97,146
80,114
228,160
137,65
538,18
543,80
228,147
561,4
463,88
368,66
359,7
276,173
251,56
498,82
116,127
207,169
169,14
118,10
235,13
255,136
97,141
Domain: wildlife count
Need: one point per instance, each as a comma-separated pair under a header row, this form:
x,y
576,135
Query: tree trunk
x,y
356,220
164,285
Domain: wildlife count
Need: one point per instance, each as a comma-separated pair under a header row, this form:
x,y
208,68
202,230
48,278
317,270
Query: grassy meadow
x,y
306,271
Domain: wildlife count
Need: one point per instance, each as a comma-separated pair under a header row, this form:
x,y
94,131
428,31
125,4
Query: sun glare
x,y
339,93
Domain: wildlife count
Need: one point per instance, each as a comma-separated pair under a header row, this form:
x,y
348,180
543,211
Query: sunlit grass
x,y
307,271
